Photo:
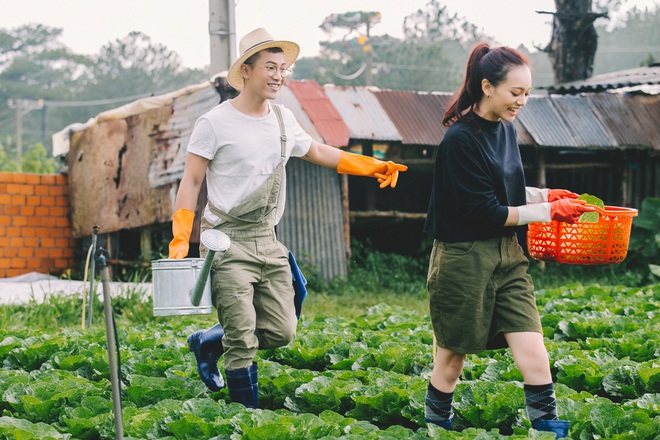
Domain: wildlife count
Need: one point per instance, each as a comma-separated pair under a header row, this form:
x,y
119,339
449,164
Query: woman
x,y
481,296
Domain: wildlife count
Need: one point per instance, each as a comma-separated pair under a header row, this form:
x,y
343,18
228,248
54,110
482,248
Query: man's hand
x,y
182,223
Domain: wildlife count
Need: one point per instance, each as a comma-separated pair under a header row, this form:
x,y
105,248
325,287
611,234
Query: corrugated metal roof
x,y
321,112
615,113
647,109
288,100
611,80
544,124
171,136
417,116
362,113
580,118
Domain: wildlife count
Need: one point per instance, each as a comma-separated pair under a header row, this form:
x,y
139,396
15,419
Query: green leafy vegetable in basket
x,y
591,217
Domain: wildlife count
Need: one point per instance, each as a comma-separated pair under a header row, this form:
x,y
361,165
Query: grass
x,y
374,278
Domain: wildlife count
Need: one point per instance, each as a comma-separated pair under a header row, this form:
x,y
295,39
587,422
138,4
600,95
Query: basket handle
x,y
625,212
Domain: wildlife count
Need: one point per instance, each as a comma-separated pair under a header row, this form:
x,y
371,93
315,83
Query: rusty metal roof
x,y
580,117
321,112
417,116
599,121
288,100
611,80
362,113
616,113
544,124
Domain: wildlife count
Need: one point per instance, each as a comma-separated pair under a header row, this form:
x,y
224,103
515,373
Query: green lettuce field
x,y
358,378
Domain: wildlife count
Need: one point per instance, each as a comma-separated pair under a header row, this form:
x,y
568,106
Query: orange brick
x,y
27,190
62,201
34,263
27,211
55,190
61,263
33,200
48,221
68,252
5,263
47,201
47,242
26,252
5,199
3,188
14,188
4,241
14,272
62,222
48,179
13,209
19,178
3,231
5,220
31,241
16,241
28,231
59,211
18,220
61,179
18,200
41,252
55,253
35,220
42,190
11,251
18,263
5,177
13,231
42,232
33,179
62,242
40,211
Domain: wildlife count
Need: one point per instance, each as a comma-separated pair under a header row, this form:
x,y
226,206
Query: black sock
x,y
438,405
541,402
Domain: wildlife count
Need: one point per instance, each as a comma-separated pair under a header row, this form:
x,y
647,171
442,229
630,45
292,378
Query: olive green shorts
x,y
478,291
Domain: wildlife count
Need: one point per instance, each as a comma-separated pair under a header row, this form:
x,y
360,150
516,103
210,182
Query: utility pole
x,y
222,31
23,107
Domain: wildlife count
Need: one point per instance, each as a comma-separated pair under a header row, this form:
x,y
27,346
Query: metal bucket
x,y
173,282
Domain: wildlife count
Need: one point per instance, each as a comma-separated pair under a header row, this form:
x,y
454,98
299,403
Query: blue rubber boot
x,y
445,424
243,385
559,427
206,345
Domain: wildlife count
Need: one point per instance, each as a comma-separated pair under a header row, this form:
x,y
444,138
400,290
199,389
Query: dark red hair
x,y
483,63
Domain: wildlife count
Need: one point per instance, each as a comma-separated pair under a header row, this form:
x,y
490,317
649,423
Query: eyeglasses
x,y
284,71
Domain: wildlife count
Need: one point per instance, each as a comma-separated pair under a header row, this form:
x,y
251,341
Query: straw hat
x,y
258,39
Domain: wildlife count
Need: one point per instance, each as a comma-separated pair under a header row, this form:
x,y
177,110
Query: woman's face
x,y
505,100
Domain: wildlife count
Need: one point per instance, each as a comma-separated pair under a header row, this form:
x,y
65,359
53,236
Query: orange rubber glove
x,y
182,223
387,173
569,210
557,194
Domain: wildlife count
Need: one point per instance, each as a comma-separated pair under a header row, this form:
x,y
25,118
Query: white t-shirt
x,y
243,152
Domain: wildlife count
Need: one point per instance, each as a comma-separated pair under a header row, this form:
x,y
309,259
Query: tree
x,y
35,65
572,48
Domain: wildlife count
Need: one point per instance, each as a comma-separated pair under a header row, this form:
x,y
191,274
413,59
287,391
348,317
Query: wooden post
x,y
145,243
540,172
346,216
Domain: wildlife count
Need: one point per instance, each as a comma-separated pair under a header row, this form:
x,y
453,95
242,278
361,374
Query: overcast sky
x,y
182,25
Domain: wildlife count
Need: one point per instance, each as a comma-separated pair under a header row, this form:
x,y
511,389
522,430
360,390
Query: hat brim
x,y
289,48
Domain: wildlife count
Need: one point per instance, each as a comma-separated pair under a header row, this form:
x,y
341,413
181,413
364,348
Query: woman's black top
x,y
478,173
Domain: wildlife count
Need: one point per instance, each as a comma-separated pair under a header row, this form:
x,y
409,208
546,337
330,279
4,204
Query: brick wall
x,y
35,230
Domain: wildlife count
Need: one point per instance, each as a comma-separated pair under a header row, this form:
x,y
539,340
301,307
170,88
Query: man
x,y
242,146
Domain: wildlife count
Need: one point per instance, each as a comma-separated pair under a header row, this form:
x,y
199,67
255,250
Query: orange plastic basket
x,y
590,243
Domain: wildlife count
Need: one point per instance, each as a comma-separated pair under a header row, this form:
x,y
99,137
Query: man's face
x,y
265,76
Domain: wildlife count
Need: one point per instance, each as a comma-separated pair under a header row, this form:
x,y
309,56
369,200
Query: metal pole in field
x,y
102,257
95,231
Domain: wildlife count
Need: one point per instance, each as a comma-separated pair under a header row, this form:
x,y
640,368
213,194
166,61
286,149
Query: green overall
x,y
251,282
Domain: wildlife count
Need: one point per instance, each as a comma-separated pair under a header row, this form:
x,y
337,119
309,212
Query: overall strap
x,y
280,120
